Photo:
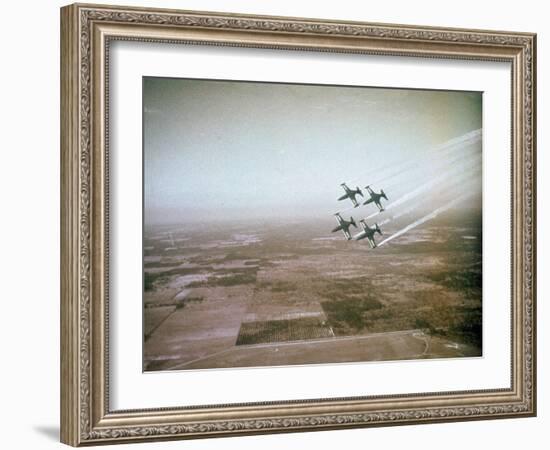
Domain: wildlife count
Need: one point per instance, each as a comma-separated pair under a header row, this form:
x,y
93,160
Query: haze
x,y
217,150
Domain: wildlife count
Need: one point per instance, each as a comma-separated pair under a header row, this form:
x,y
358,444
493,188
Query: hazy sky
x,y
247,149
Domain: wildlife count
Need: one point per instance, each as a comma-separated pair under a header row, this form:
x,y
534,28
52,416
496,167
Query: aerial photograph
x,y
292,224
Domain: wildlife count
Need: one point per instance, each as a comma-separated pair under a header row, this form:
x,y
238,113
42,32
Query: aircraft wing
x,y
370,200
338,219
347,234
355,204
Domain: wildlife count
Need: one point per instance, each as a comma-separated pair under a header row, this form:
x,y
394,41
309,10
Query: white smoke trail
x,y
406,211
412,207
474,175
458,171
441,150
424,219
397,167
451,145
399,214
417,162
468,152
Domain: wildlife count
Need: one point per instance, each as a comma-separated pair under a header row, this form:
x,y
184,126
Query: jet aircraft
x,y
368,233
344,225
351,194
374,197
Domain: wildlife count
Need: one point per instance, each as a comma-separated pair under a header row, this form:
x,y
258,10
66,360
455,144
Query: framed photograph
x,y
273,224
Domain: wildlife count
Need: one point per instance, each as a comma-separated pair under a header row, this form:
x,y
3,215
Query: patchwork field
x,y
236,295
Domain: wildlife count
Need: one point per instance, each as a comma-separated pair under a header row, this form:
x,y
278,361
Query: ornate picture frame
x,y
87,31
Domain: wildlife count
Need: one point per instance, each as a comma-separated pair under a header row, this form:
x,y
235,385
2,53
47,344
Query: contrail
x,y
403,212
443,149
451,145
412,207
434,166
474,163
399,166
416,163
424,219
426,186
399,214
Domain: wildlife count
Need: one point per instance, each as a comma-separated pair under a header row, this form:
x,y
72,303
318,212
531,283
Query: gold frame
x,y
86,31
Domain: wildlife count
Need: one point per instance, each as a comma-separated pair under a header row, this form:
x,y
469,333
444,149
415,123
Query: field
x,y
233,294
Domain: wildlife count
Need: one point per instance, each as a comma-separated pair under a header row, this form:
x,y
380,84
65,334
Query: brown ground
x,y
283,295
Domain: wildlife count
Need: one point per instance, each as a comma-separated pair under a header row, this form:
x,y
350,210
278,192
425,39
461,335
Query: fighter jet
x,y
374,197
368,233
351,194
344,225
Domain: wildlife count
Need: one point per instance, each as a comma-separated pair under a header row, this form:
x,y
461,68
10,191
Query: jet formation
x,y
344,225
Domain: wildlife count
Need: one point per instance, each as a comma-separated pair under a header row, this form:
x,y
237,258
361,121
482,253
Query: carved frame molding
x,y
87,31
